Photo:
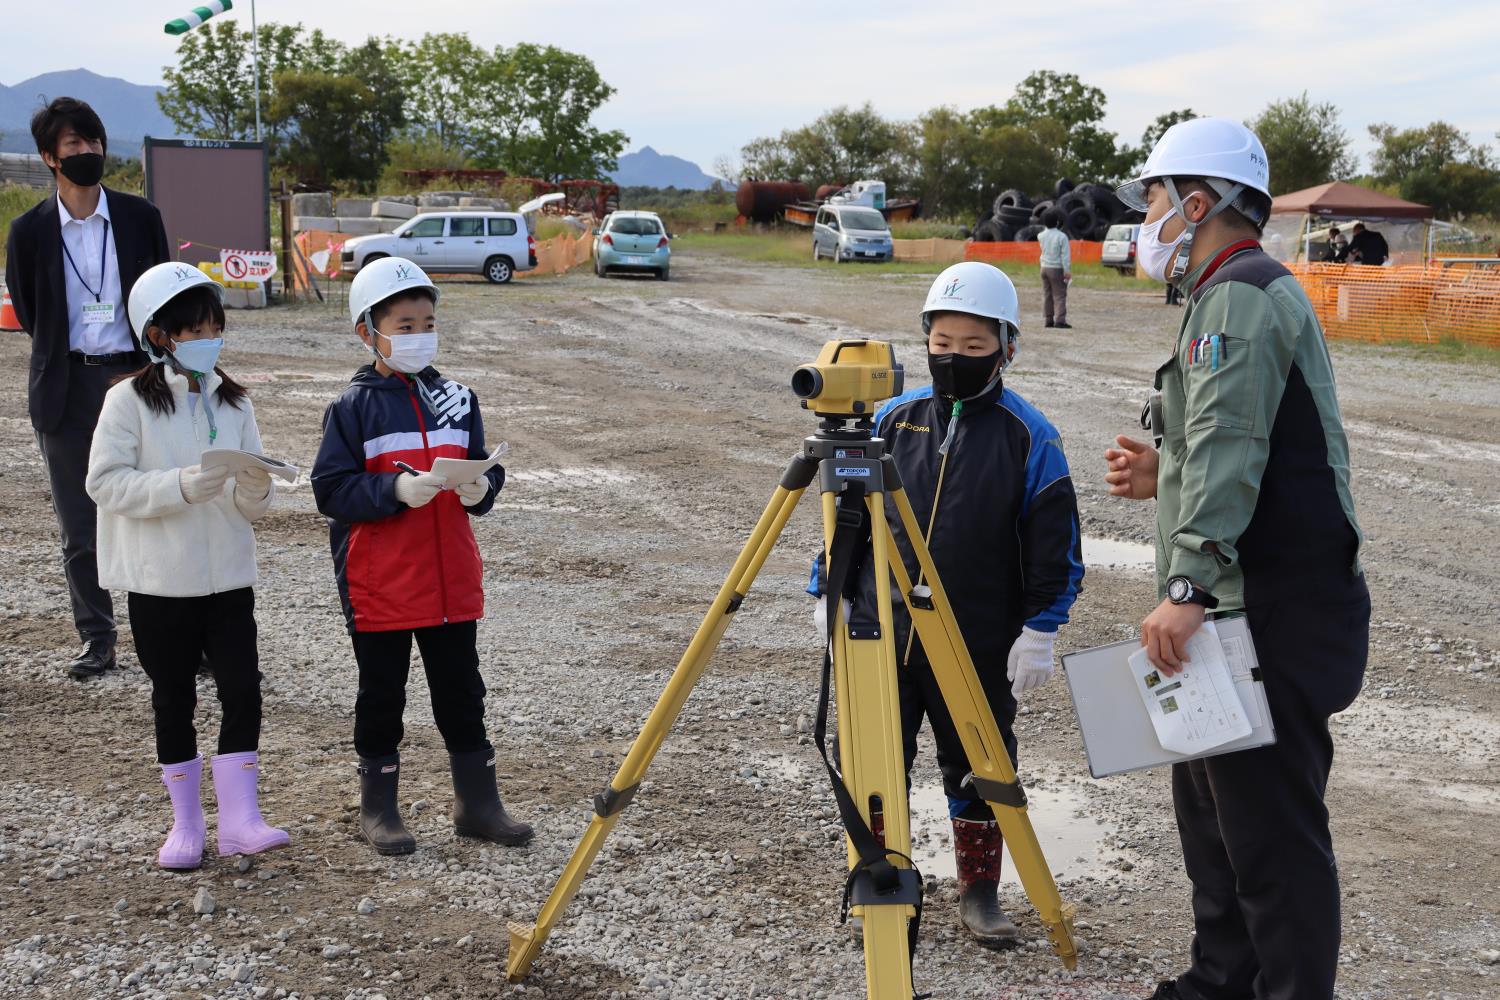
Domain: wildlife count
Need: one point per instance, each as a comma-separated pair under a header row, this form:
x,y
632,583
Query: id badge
x,y
98,313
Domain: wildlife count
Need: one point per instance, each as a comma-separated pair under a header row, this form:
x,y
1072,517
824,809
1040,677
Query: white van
x,y
494,244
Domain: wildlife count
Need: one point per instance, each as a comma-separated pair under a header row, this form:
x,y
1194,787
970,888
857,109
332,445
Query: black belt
x,y
118,358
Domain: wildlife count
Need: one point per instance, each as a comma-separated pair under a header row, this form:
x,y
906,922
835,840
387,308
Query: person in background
x,y
70,265
1338,246
1367,247
1057,270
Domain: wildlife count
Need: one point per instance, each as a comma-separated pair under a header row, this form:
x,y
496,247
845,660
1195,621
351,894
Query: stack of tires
x,y
1088,210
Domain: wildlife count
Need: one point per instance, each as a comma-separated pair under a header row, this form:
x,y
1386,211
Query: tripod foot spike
x,y
1061,932
523,950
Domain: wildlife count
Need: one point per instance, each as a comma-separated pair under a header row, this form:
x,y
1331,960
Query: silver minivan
x,y
494,244
851,232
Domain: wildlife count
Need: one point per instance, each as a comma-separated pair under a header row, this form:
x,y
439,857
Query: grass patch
x,y
793,248
16,200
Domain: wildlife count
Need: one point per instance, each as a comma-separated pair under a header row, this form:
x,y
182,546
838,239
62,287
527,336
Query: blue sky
x,y
699,80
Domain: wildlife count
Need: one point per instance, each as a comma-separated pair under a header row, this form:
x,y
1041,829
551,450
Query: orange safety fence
x,y
561,254
934,250
1083,251
1406,303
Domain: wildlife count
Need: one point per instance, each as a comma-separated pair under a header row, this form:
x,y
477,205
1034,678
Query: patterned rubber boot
x,y
976,847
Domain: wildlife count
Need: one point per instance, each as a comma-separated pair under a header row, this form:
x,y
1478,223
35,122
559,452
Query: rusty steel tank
x,y
826,191
761,201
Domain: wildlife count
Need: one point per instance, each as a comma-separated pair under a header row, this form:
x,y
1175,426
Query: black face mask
x,y
960,376
83,169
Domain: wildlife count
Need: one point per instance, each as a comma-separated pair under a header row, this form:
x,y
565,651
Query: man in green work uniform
x,y
1254,516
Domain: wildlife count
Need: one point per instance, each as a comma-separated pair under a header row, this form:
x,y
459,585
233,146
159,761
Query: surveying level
x,y
854,477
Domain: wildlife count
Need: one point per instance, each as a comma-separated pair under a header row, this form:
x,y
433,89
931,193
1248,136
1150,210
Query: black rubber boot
x,y
477,809
379,812
976,846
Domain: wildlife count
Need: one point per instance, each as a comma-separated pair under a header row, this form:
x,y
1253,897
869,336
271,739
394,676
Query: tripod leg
x,y
526,942
873,764
993,776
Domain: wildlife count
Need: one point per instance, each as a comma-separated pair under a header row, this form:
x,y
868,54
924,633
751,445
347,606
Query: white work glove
x,y
254,483
1030,661
199,484
417,491
820,614
471,493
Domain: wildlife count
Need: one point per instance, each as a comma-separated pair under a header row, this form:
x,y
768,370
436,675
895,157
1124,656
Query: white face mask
x,y
1154,255
412,352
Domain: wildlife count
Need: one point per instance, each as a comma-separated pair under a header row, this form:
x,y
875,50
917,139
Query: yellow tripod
x,y
854,477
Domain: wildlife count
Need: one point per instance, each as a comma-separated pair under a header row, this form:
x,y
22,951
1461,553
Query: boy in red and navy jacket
x,y
404,554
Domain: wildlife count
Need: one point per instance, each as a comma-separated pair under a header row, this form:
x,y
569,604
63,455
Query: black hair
x,y
379,310
1052,219
48,123
1251,208
191,308
1002,330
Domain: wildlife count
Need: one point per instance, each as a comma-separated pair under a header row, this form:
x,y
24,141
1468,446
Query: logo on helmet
x,y
403,272
950,290
183,273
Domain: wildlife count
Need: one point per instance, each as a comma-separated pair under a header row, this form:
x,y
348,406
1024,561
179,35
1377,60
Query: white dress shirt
x,y
94,267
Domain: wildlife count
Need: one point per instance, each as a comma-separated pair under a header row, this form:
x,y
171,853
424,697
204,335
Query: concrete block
x,y
327,223
364,227
387,208
245,298
319,204
436,201
468,202
353,208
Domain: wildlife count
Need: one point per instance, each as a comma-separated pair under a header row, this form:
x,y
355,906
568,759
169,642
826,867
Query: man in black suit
x,y
1368,247
70,265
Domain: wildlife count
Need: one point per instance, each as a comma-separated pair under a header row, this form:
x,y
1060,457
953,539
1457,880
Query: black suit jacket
x,y
34,277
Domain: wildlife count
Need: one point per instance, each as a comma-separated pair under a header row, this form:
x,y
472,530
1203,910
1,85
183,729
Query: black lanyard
x,y
103,260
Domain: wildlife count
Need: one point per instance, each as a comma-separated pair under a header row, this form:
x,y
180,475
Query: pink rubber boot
x,y
183,848
241,830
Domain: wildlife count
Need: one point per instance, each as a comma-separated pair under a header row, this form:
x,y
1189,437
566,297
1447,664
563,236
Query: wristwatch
x,y
1181,590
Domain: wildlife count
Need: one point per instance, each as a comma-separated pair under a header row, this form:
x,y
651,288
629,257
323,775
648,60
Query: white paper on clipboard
x,y
1197,708
454,472
238,461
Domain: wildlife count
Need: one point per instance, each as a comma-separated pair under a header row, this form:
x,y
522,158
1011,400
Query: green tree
x,y
330,142
1130,159
1304,143
372,65
208,92
1437,166
766,159
848,144
440,77
1088,151
534,115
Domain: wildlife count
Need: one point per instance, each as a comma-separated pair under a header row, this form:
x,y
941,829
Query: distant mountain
x,y
128,109
648,168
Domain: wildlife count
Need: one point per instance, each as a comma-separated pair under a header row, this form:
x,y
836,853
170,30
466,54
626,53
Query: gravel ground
x,y
648,424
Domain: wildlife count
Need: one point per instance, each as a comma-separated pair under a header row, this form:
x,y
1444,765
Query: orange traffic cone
x,y
8,319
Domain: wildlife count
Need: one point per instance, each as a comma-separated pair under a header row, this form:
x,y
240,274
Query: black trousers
x,y
65,456
920,697
172,636
451,661
1253,824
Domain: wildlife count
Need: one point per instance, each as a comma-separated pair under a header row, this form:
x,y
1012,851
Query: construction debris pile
x,y
1088,210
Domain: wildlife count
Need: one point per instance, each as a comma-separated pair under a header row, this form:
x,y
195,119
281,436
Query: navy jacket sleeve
x,y
478,449
344,491
1051,549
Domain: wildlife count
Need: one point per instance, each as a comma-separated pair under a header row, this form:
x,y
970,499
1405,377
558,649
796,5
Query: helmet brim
x,y
1133,193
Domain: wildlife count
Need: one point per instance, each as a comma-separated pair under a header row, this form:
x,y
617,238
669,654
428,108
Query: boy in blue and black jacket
x,y
986,475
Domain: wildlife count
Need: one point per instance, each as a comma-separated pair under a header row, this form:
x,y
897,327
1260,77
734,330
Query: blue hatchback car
x,y
632,242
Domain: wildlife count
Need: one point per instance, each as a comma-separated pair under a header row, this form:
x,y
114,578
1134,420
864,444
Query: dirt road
x,y
648,423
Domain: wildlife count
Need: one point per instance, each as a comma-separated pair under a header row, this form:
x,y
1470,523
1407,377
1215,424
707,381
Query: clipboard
x,y
1117,733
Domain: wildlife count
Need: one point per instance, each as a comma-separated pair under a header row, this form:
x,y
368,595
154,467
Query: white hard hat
x,y
154,289
381,279
1220,148
976,288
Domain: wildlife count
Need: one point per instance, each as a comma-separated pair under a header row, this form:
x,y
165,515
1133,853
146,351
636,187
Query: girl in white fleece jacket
x,y
177,536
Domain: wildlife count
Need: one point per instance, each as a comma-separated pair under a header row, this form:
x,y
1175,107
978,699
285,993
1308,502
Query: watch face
x,y
1177,589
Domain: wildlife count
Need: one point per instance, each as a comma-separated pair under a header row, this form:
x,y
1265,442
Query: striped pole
x,y
197,16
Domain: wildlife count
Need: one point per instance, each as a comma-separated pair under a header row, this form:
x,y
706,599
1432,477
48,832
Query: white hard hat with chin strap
x,y
154,289
379,280
978,289
1221,153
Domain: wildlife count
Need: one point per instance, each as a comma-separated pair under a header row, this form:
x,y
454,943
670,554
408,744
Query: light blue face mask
x,y
197,356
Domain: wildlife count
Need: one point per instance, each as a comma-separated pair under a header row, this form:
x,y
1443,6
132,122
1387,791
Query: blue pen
x,y
1216,338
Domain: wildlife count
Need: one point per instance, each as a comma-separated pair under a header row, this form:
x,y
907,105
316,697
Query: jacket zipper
x,y
193,417
437,528
937,494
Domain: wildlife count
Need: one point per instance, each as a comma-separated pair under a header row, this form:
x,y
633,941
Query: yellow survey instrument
x,y
854,477
849,379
